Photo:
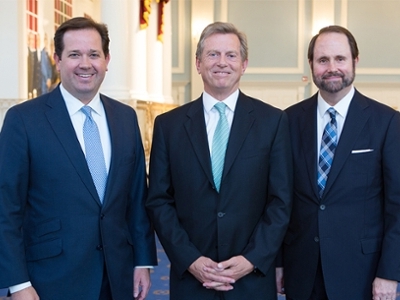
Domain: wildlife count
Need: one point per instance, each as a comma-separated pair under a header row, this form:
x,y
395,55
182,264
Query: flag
x,y
145,10
160,31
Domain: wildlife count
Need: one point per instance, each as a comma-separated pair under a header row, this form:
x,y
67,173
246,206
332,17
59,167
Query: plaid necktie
x,y
220,141
328,147
94,152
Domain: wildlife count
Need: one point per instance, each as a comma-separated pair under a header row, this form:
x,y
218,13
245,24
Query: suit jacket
x,y
250,214
355,227
54,230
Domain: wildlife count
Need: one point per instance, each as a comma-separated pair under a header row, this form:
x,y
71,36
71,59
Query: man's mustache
x,y
332,74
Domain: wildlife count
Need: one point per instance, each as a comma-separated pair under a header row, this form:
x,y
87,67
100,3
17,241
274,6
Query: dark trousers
x,y
105,293
219,296
318,292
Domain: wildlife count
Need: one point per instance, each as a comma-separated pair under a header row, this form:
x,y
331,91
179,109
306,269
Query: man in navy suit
x,y
61,237
221,234
343,240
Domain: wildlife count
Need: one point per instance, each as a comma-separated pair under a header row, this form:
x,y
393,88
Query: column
x,y
154,58
115,15
167,55
13,53
138,55
13,50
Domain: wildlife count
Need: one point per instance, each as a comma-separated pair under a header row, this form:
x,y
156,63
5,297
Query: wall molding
x,y
299,69
280,94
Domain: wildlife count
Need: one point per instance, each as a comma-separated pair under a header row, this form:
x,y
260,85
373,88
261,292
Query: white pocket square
x,y
361,151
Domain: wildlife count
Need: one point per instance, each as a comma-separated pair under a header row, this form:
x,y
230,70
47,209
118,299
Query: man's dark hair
x,y
79,23
337,29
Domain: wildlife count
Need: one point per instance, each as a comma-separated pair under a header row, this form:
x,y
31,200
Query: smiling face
x,y
82,65
221,65
333,67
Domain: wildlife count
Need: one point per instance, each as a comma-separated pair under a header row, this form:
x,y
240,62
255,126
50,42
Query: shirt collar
x,y
74,104
341,107
209,101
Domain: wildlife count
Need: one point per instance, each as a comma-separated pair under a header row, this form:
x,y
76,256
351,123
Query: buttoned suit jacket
x,y
54,231
250,214
355,227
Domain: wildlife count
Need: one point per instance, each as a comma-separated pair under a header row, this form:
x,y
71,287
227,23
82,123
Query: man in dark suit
x,y
343,240
65,232
221,232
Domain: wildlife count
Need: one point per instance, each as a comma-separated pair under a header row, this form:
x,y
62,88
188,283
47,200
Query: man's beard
x,y
334,86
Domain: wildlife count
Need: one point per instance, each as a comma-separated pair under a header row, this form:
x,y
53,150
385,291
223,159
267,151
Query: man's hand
x,y
28,293
280,284
384,289
204,270
141,283
234,268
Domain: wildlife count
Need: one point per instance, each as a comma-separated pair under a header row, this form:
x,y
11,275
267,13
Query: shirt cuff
x,y
16,288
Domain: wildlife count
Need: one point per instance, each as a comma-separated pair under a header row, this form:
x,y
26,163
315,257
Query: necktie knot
x,y
87,110
332,113
220,106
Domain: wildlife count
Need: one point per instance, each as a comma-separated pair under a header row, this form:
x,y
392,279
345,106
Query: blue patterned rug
x,y
160,277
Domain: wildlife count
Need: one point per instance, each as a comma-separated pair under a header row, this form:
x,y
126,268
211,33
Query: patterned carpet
x,y
160,277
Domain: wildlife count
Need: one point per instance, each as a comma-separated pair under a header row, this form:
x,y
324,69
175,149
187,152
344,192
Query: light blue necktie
x,y
94,152
328,147
219,144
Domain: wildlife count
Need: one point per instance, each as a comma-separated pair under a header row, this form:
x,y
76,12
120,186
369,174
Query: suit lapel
x,y
58,117
308,132
117,141
242,122
197,134
356,118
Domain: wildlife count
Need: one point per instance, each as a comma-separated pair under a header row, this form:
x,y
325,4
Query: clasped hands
x,y
220,276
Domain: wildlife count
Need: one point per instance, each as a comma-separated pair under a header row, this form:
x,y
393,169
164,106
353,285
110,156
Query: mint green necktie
x,y
219,144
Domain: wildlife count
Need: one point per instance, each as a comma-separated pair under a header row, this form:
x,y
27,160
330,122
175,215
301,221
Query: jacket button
x,y
316,239
102,216
99,247
221,214
322,207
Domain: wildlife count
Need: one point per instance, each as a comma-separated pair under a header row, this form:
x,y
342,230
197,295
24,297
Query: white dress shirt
x,y
78,118
323,116
211,114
